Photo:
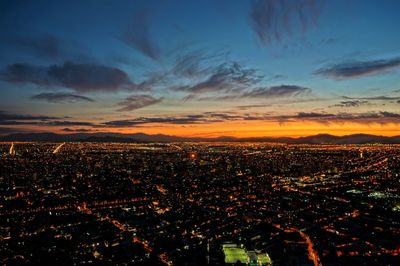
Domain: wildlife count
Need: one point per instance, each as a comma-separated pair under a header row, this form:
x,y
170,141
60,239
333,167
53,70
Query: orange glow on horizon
x,y
249,129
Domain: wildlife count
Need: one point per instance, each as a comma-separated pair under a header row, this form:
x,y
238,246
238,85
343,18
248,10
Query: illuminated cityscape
x,y
199,203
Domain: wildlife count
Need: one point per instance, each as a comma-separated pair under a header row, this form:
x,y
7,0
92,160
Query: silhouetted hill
x,y
141,137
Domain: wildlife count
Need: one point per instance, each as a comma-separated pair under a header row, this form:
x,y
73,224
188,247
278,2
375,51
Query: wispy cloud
x,y
273,20
376,98
353,70
66,123
274,92
225,78
61,98
196,64
277,91
39,120
78,130
379,117
4,116
76,76
10,130
138,35
350,103
202,118
138,101
41,45
190,119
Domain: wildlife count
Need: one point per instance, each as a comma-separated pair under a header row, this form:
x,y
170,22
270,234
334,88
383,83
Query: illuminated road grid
x,y
186,203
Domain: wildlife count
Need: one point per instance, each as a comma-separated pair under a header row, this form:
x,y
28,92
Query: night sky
x,y
200,68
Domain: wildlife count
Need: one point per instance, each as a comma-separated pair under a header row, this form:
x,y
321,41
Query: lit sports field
x,y
264,259
234,254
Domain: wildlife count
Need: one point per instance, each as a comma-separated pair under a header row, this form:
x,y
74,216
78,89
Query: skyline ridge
x,y
322,138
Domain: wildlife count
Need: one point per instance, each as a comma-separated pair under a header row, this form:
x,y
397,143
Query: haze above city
x,y
200,68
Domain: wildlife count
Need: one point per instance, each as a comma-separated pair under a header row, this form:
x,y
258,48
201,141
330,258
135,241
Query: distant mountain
x,y
349,139
141,137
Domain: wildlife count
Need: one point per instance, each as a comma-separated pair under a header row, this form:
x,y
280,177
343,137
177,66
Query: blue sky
x,y
97,62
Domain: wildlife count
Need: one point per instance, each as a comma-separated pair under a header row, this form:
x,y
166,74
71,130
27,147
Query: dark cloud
x,y
273,20
350,103
202,118
40,45
245,107
197,64
39,120
138,101
374,98
4,116
80,130
61,98
277,92
89,77
226,77
65,123
9,130
189,65
380,117
148,120
389,114
313,115
358,69
152,81
138,36
207,117
281,91
79,77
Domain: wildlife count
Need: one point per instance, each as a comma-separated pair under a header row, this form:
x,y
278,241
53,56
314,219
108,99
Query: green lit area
x,y
234,254
264,259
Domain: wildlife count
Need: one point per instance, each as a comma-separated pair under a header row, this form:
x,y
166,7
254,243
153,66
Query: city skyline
x,y
200,69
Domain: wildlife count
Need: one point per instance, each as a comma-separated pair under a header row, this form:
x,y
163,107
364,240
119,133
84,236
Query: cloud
x,y
152,81
226,77
39,120
313,115
138,36
389,114
273,20
40,45
280,91
190,119
4,116
138,101
380,117
76,76
374,98
65,123
351,103
202,118
277,91
196,64
9,130
61,98
188,65
353,70
80,130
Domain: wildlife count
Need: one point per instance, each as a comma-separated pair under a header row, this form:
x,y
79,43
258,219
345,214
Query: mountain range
x,y
141,137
